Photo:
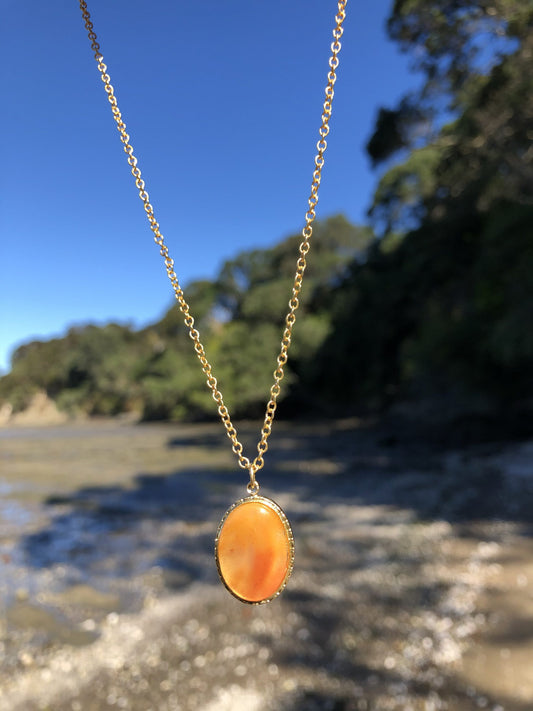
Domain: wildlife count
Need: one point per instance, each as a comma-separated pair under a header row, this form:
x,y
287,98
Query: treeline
x,y
433,301
154,371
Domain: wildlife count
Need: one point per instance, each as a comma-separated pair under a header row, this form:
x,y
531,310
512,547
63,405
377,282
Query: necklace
x,y
254,545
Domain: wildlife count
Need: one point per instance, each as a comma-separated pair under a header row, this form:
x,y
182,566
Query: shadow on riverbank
x,y
327,465
396,547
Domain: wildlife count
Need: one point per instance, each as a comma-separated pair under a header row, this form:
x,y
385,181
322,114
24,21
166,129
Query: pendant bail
x,y
253,484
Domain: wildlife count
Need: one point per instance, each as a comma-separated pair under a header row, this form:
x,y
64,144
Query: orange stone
x,y
254,549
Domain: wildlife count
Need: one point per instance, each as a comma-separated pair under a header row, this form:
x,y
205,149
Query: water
x,y
109,595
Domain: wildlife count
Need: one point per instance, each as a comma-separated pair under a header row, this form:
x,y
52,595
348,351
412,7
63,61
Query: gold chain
x,y
262,446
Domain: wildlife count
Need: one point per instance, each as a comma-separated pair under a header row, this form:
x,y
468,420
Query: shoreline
x,y
403,560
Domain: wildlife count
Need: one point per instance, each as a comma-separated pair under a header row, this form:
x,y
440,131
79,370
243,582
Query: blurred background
x,y
403,448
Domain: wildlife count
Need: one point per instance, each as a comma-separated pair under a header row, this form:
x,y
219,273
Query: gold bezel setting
x,y
290,540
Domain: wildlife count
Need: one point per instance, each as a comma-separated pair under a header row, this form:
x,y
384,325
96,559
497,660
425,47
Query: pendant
x,y
254,549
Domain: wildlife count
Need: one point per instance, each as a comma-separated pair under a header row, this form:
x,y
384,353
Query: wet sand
x,y
412,588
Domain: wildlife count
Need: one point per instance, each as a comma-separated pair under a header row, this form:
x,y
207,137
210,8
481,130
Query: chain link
x,y
262,446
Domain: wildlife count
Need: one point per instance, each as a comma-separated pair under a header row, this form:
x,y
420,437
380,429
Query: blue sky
x,y
222,101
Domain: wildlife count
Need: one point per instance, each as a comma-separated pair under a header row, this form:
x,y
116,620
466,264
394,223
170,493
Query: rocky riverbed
x,y
412,588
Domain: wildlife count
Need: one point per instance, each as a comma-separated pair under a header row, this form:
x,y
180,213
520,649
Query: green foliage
x,y
17,390
444,301
245,357
155,373
447,307
452,44
246,284
267,301
400,199
167,390
392,131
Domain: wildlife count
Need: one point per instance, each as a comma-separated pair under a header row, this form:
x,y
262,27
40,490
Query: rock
x,y
41,411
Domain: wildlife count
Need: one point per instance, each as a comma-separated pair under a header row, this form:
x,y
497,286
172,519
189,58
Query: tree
x,y
445,298
469,124
104,370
